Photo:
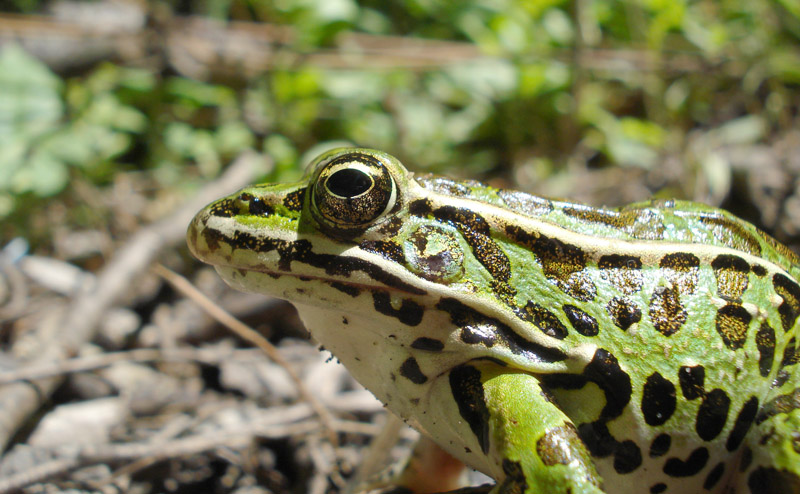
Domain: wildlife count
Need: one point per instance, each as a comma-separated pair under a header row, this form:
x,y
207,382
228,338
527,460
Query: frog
x,y
554,346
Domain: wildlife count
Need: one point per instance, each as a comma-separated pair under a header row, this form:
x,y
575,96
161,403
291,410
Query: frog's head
x,y
346,226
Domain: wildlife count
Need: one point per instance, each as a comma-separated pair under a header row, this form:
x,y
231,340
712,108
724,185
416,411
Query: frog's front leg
x,y
526,442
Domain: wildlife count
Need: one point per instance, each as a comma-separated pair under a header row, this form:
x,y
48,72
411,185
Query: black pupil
x,y
349,182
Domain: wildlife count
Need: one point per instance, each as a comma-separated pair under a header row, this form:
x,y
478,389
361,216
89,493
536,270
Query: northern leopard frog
x,y
553,346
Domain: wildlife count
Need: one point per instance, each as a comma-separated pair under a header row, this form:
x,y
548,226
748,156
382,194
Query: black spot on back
x,y
546,321
604,370
666,310
790,292
624,312
712,414
658,399
765,342
743,422
682,270
692,380
622,271
583,323
732,322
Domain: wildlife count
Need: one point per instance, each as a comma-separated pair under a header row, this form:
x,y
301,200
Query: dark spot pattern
x,y
660,445
225,208
411,371
731,272
605,371
467,390
627,457
583,323
666,310
427,344
622,271
790,354
546,321
714,476
477,328
790,292
759,270
692,380
658,488
559,260
732,322
410,313
624,312
712,415
676,467
682,270
302,251
769,480
742,424
765,342
294,200
385,249
658,399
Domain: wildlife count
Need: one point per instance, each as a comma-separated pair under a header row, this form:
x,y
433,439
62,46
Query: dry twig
x,y
252,336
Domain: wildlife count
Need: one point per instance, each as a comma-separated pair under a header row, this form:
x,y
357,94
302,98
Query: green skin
x,y
553,346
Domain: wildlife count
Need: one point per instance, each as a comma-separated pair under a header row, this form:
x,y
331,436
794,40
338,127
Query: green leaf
x,y
30,96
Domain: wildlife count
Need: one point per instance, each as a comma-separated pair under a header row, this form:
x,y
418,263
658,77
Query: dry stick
x,y
252,336
19,401
93,362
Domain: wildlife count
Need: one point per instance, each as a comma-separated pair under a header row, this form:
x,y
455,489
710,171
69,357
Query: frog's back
x,y
688,320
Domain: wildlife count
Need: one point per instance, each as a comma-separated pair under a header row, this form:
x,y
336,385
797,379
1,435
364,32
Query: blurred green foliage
x,y
622,82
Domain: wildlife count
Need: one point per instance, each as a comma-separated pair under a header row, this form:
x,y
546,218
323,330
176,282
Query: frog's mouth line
x,y
342,285
349,287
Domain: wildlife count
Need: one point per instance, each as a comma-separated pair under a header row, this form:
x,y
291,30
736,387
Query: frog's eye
x,y
352,191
